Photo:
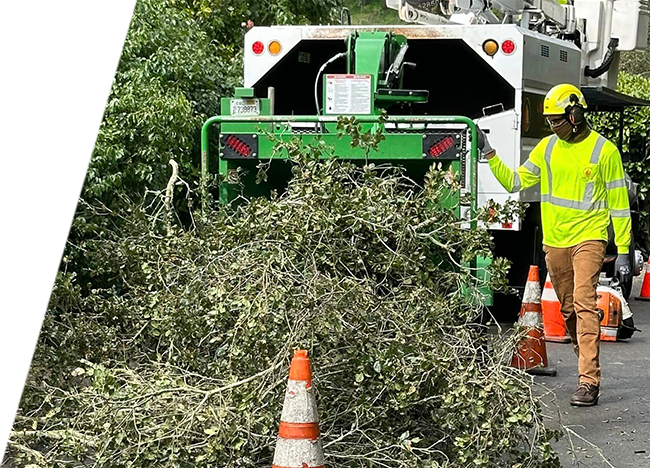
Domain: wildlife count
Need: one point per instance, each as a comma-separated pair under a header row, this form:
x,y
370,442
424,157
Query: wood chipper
x,y
491,61
368,88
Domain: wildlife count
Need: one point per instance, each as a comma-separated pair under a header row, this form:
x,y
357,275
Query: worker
x,y
582,186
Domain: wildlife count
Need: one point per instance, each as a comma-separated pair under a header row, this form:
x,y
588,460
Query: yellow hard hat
x,y
561,97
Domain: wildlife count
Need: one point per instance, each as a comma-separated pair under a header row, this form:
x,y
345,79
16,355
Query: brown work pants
x,y
574,272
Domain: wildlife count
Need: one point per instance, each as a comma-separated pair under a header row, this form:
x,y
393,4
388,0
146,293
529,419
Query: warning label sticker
x,y
348,94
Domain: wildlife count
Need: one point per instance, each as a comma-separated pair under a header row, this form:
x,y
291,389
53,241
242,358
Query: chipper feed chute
x,y
248,132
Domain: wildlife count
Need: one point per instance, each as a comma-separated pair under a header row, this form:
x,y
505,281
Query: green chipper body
x,y
248,132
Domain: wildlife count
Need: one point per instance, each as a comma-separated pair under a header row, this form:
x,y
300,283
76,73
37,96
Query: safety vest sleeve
x,y
527,175
613,175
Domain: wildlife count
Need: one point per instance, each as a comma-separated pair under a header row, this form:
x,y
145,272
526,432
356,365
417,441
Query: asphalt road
x,y
619,426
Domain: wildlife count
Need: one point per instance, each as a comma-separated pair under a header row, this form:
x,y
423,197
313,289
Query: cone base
x,y
548,371
640,298
278,466
530,351
558,339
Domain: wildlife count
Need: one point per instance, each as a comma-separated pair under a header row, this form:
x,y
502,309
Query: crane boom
x,y
601,29
480,11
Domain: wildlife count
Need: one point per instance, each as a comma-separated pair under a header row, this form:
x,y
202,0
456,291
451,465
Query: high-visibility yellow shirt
x,y
582,186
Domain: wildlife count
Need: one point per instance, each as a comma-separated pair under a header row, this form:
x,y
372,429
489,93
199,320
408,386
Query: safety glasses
x,y
555,121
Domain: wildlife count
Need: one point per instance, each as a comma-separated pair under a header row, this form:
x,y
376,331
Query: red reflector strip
x,y
238,145
506,225
530,307
440,147
299,430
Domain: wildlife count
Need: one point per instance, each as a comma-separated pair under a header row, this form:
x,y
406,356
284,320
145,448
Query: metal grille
x,y
546,52
302,128
403,130
564,56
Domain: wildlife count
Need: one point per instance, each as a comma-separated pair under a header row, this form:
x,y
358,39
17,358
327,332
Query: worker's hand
x,y
622,268
484,145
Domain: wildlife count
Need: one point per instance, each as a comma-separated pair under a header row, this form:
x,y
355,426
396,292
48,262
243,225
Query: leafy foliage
x,y
371,12
183,361
357,264
637,62
167,338
96,96
224,17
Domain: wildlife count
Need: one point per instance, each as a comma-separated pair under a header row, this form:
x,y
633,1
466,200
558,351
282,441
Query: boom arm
x,y
480,11
600,28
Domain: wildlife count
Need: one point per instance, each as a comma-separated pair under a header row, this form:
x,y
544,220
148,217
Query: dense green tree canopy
x,y
97,95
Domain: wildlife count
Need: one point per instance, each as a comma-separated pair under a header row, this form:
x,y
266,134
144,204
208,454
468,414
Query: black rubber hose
x,y
607,61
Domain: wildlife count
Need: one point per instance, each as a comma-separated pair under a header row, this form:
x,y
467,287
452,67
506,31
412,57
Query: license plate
x,y
243,107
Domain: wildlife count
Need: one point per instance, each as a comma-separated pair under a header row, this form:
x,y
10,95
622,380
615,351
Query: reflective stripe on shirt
x,y
532,167
516,184
586,204
619,213
615,184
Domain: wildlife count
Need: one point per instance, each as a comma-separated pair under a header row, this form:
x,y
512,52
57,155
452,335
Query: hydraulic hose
x,y
607,61
320,71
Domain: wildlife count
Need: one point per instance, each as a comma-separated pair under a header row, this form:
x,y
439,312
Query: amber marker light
x,y
275,47
490,47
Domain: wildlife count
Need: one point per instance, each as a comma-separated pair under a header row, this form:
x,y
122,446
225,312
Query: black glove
x,y
483,144
622,268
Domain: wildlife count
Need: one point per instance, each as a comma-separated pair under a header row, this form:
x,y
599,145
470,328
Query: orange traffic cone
x,y
645,289
299,444
530,353
554,327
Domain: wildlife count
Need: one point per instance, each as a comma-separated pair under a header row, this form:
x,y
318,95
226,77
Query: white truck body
x,y
537,63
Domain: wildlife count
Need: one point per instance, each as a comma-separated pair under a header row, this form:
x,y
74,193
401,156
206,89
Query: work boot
x,y
586,395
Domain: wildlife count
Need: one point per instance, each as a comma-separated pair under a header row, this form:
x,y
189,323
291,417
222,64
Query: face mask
x,y
563,129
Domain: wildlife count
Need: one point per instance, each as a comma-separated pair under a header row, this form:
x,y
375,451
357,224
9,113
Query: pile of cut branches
x,y
182,360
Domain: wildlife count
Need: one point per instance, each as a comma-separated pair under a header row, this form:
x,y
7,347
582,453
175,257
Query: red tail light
x,y
258,47
508,47
239,146
441,146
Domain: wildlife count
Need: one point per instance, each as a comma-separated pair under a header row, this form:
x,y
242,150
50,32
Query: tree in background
x,y
96,96
222,19
637,62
